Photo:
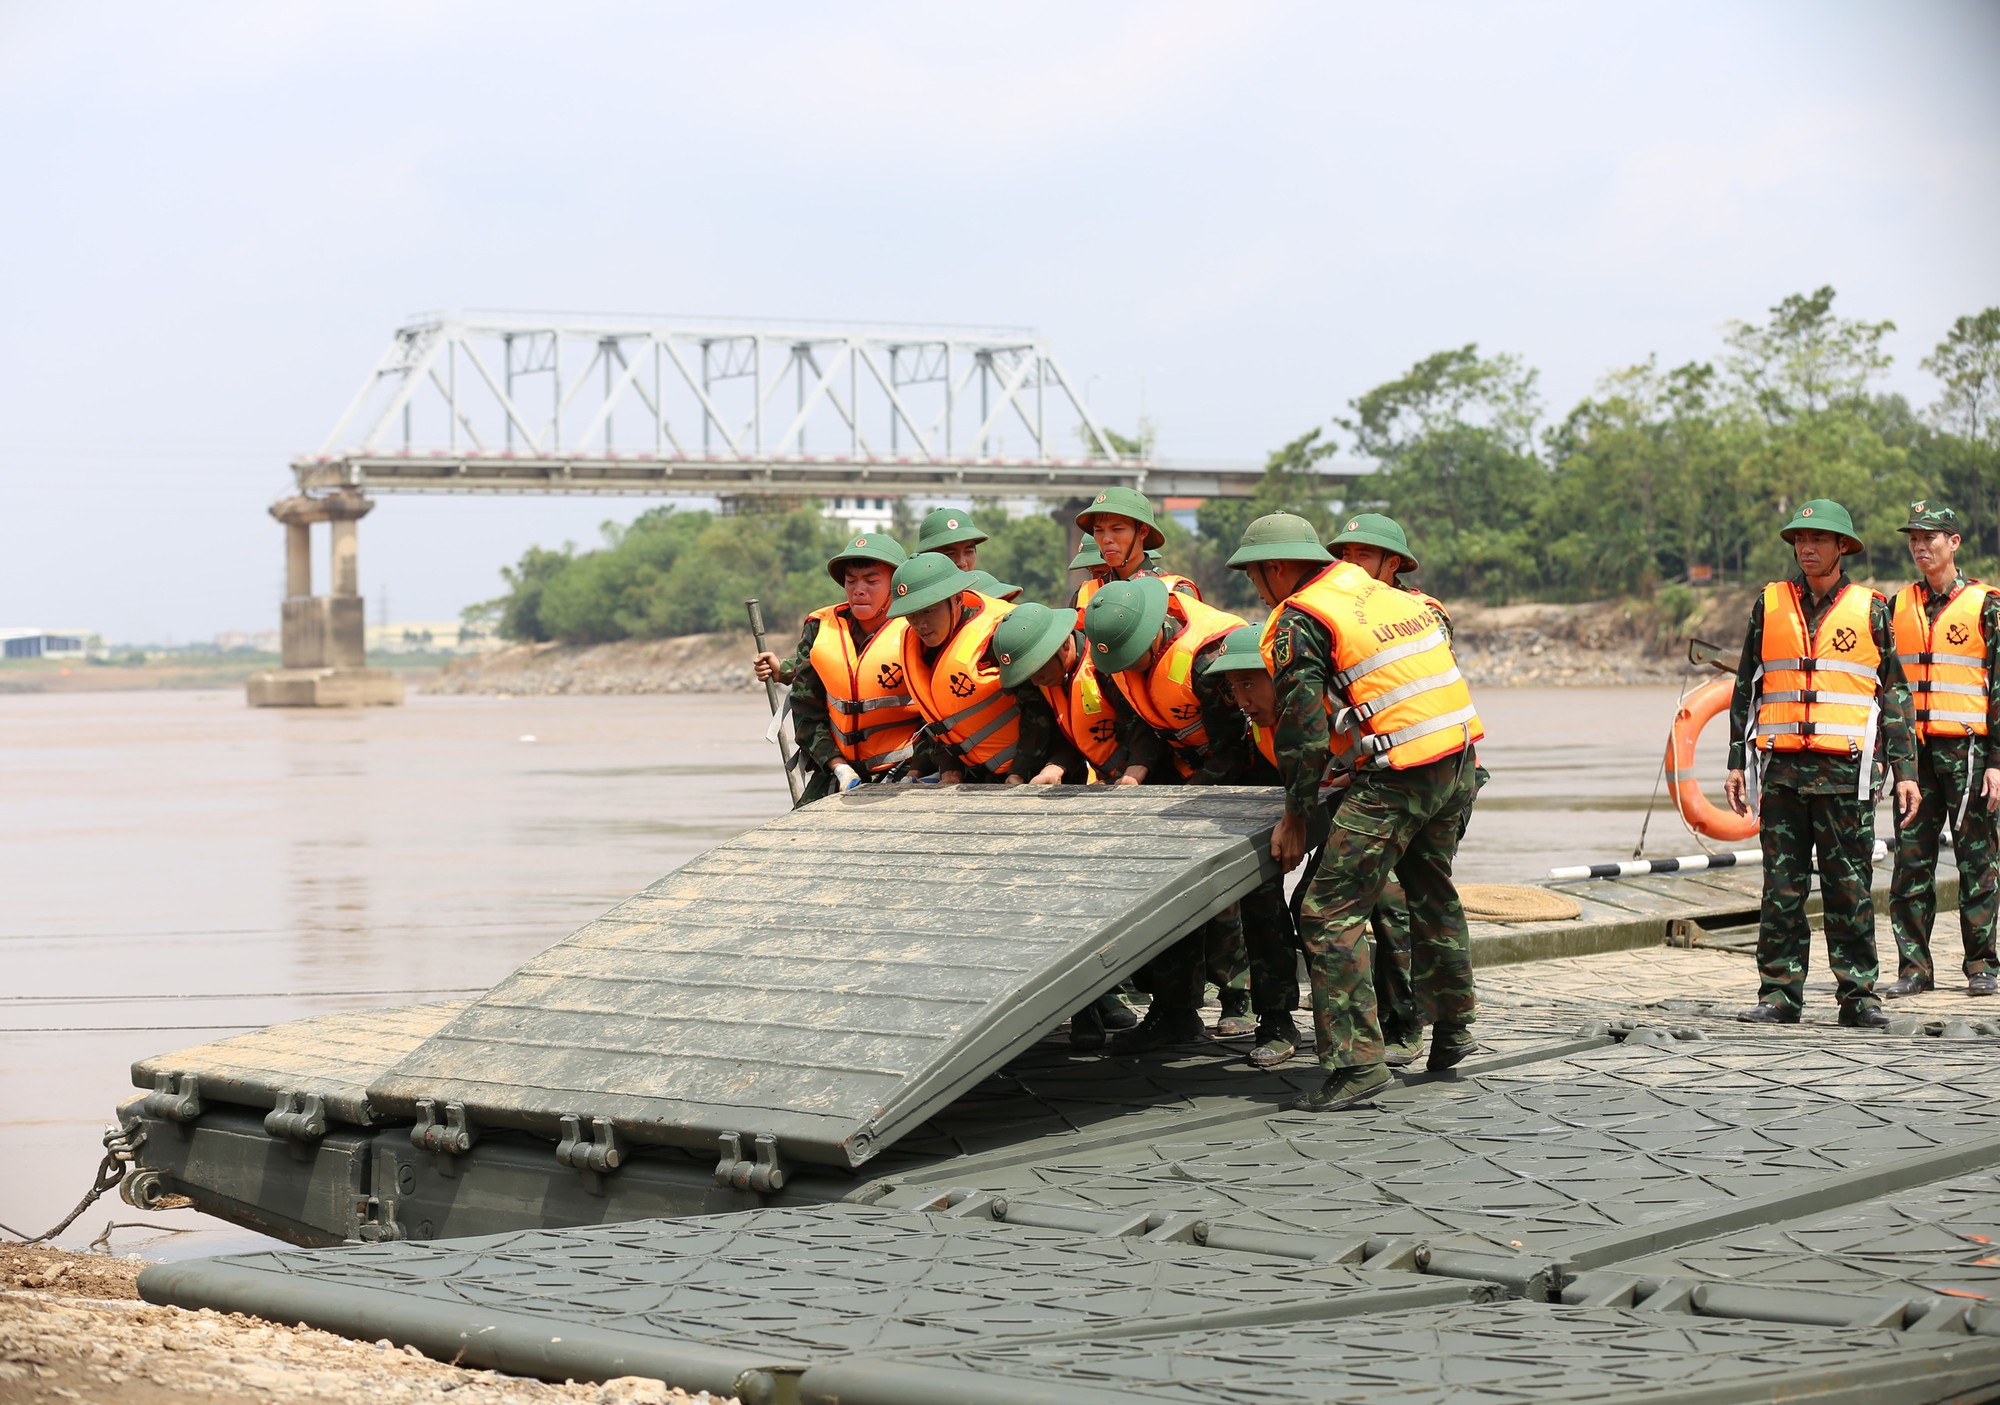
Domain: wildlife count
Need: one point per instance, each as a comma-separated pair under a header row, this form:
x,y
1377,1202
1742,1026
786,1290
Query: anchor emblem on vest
x,y
1958,634
1844,640
890,676
1186,712
1103,730
961,686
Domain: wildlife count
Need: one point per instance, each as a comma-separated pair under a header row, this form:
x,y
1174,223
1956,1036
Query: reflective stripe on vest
x,y
960,695
1817,689
868,702
1086,714
1340,744
1948,684
1406,704
1165,697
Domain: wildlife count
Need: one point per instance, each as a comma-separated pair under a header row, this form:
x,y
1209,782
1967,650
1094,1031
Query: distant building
x,y
431,637
1183,510
858,514
50,644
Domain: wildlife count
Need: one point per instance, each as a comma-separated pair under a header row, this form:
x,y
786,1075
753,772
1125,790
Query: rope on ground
x,y
110,1171
1514,902
103,1240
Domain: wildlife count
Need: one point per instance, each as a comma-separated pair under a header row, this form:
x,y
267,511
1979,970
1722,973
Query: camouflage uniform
x,y
1808,804
1042,742
1942,767
1406,823
1255,934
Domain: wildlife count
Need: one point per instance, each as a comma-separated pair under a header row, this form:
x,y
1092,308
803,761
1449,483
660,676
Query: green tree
x,y
1964,457
1454,438
1802,360
521,607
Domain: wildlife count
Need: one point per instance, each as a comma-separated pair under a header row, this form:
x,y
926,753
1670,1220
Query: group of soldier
x,y
1348,698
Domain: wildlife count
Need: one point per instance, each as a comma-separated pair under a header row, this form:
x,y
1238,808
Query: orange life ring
x,y
1700,813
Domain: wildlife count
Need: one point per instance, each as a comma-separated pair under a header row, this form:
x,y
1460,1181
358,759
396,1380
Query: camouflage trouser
x,y
1272,950
1225,960
1942,768
1406,823
1842,830
1396,1007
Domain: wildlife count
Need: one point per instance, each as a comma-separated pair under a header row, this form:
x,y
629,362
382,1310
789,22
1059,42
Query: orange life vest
x,y
1165,697
960,695
1405,703
1818,690
868,700
1086,714
1945,661
1177,585
1267,741
1429,602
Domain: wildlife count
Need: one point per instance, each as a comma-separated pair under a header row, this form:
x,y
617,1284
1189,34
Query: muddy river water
x,y
177,867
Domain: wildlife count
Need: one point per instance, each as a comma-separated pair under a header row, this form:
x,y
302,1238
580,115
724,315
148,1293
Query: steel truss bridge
x,y
533,403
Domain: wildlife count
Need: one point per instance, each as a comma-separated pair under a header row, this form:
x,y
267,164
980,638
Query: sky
x,y
1231,218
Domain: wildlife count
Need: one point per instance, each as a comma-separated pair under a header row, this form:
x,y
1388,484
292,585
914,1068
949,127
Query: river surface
x,y
178,867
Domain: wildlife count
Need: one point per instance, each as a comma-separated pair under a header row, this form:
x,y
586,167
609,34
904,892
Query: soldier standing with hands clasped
x,y
1818,685
1947,639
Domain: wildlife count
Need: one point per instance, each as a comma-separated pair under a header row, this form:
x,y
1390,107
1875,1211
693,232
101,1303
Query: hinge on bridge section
x,y
592,1153
174,1101
766,1173
299,1118
377,1216
452,1137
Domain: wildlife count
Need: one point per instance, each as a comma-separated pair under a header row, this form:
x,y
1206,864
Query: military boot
x,y
1086,1028
1912,984
1345,1088
1234,1022
1278,1039
1450,1047
1401,1053
1161,1029
1980,983
1115,1013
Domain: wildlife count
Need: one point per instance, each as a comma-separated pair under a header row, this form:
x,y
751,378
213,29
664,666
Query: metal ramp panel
x,y
834,978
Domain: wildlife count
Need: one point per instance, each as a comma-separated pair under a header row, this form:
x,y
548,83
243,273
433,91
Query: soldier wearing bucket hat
x,y
1178,726
1948,641
852,716
971,719
1819,696
1127,537
1063,708
949,532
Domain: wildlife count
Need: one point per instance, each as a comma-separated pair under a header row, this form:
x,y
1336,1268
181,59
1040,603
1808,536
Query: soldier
x,y
1073,733
1348,650
1121,524
950,533
1088,558
1948,643
1379,546
972,723
1178,726
852,713
993,588
1817,686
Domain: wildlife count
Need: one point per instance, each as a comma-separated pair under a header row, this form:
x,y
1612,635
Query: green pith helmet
x,y
1123,620
948,526
1933,517
1028,638
869,546
991,586
1088,557
1240,652
1279,536
1373,529
1824,515
924,580
1152,554
1125,502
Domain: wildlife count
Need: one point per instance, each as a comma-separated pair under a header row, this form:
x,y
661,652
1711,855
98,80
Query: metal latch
x,y
766,1173
453,1137
298,1116
592,1154
377,1216
174,1101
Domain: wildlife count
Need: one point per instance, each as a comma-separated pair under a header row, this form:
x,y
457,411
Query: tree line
x,y
1663,476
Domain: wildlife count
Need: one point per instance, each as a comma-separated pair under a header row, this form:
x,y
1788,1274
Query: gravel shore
x,y
72,1328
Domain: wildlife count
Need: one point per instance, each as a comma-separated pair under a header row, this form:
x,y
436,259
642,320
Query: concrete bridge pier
x,y
325,662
